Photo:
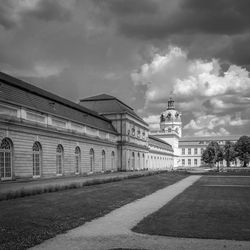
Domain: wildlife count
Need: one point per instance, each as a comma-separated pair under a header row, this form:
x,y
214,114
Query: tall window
x,y
138,161
113,160
143,161
92,159
195,162
37,159
103,160
59,159
189,162
195,151
202,150
133,160
77,159
189,151
6,152
183,151
183,162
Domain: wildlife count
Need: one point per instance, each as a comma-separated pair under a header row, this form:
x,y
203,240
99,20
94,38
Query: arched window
x,y
77,159
113,160
92,159
103,160
59,159
133,160
6,153
37,159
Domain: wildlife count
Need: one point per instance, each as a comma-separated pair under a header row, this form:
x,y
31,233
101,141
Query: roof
x,y
159,143
104,104
211,138
22,93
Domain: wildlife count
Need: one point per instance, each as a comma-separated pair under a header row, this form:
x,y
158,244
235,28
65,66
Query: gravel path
x,y
113,230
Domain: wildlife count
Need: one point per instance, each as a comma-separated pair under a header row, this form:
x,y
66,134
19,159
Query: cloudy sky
x,y
140,51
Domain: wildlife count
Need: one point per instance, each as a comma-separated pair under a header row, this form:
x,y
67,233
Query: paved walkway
x,y
6,187
113,231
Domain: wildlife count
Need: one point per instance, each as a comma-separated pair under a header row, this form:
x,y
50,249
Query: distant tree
x,y
242,148
229,153
212,153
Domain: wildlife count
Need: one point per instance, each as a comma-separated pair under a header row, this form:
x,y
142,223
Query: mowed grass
x,y
28,221
214,208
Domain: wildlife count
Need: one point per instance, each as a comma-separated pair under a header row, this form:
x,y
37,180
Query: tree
x,y
229,153
212,153
242,149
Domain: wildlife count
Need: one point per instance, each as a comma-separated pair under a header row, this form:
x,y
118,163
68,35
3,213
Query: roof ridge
x,y
49,95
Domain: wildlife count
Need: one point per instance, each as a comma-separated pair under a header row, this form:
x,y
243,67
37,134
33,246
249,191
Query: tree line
x,y
229,152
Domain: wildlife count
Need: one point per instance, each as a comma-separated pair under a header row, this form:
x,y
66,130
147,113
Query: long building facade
x,y
43,135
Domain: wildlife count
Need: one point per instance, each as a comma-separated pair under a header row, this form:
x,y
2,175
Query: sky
x,y
141,51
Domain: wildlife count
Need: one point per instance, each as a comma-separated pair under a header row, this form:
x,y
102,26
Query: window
x,y
195,162
189,151
6,153
202,150
138,160
133,160
169,130
103,160
37,159
92,159
189,162
77,159
195,151
143,161
59,159
133,131
183,162
183,151
113,160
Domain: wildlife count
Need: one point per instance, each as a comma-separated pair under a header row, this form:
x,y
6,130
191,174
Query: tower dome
x,y
170,120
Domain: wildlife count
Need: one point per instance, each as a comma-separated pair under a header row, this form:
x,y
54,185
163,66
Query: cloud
x,y
209,97
159,19
215,28
13,12
206,132
153,121
212,122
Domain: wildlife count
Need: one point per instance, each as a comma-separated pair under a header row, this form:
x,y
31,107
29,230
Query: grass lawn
x,y
28,221
214,207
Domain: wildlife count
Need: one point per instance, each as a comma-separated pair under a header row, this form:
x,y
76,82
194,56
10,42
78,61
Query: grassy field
x,y
27,221
214,207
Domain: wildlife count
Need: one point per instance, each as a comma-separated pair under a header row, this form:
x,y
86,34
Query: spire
x,y
171,103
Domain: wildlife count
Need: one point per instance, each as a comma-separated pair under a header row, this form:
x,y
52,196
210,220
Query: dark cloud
x,y
6,19
49,10
128,7
159,19
13,13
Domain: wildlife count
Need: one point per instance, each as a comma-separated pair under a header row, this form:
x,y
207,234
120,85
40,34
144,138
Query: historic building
x,y
192,148
44,135
170,129
187,150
